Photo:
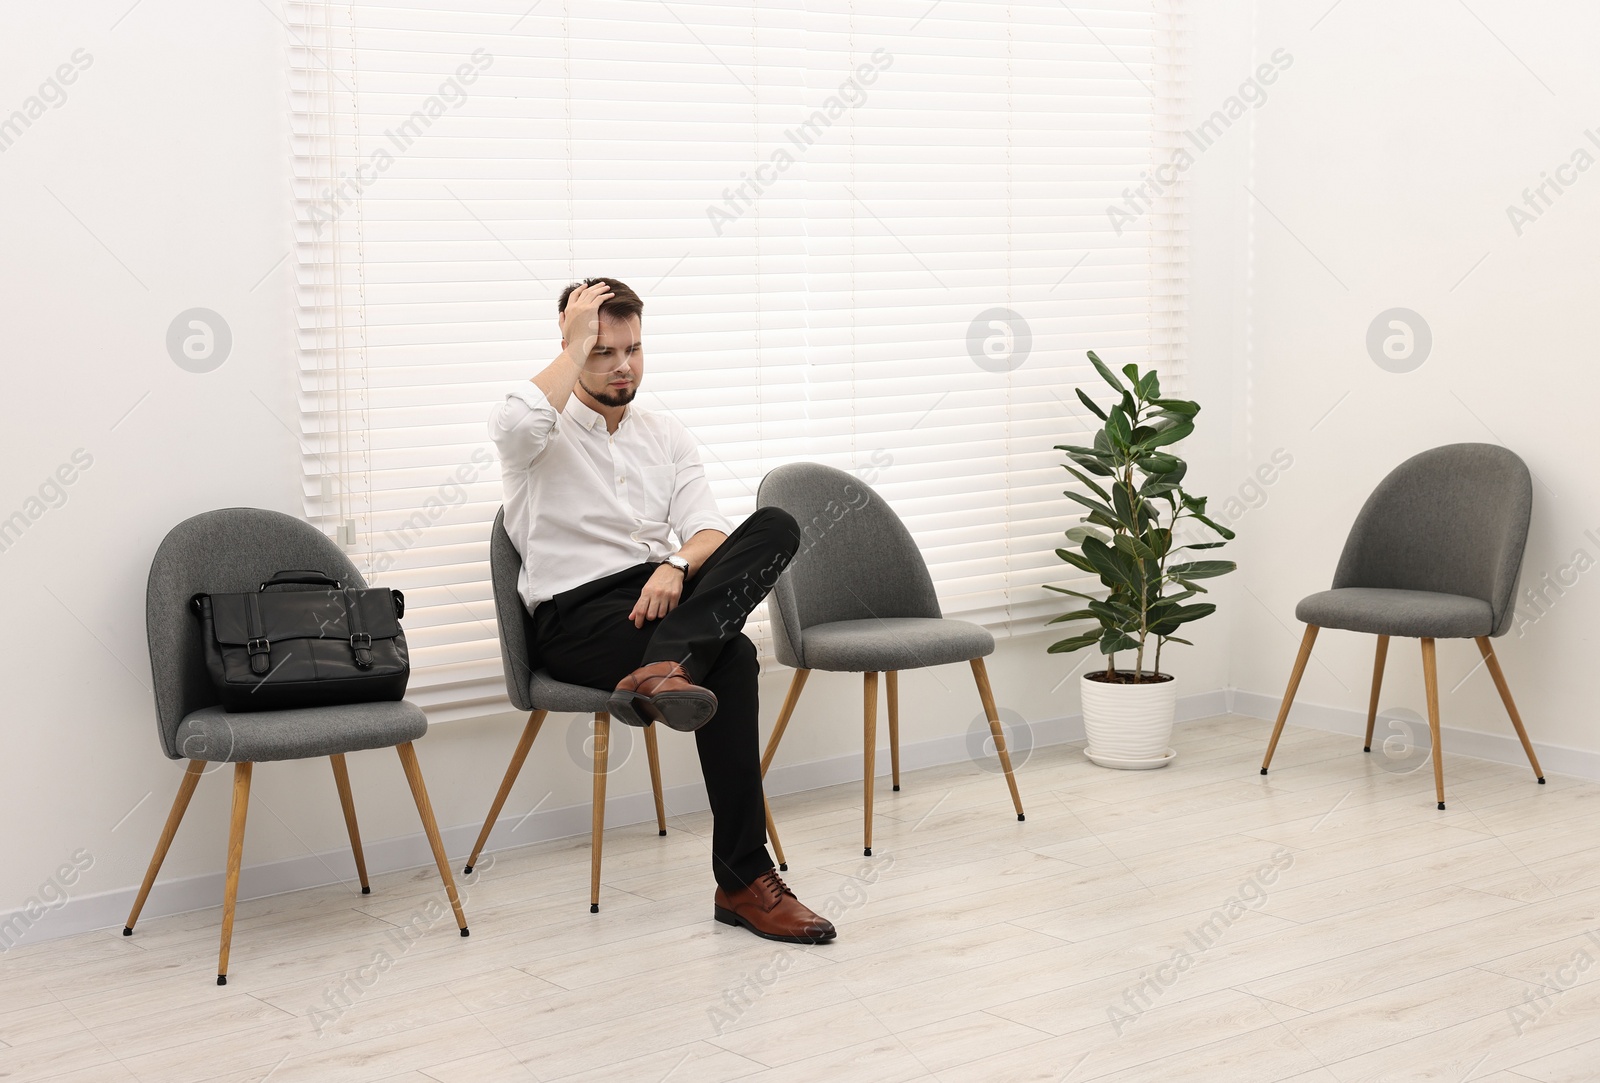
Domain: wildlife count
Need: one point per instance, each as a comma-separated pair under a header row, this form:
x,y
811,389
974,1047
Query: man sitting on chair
x,y
596,489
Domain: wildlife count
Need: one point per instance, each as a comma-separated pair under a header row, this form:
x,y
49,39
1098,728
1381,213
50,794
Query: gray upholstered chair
x,y
1434,554
231,550
533,690
858,599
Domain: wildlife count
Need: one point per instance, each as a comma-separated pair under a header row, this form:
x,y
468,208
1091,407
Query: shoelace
x,y
779,888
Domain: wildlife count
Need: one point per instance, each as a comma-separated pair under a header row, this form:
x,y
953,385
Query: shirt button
x,y
622,481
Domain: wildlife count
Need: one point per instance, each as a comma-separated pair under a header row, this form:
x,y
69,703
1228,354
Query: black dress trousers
x,y
583,636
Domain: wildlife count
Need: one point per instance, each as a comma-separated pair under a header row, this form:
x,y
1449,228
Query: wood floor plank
x,y
1393,942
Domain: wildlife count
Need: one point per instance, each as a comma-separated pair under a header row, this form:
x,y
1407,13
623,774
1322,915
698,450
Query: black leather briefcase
x,y
315,646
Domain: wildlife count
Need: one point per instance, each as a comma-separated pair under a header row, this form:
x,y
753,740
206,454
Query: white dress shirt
x,y
582,503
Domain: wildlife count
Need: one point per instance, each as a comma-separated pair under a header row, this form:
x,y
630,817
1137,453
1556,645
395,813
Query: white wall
x,y
1382,164
167,161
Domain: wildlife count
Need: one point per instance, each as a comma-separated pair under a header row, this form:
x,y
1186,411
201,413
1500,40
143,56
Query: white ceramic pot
x,y
1129,726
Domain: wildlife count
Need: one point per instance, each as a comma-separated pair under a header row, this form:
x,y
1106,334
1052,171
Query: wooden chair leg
x,y
341,778
772,836
529,732
230,893
1377,683
980,673
602,741
180,805
869,740
654,754
792,697
1288,693
1430,678
1487,649
892,690
430,827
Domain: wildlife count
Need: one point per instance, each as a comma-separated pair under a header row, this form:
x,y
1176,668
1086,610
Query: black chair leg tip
x,y
128,931
1441,806
466,870
1541,782
662,833
366,889
897,789
1021,818
465,931
866,851
222,979
784,867
1263,770
594,908
1366,748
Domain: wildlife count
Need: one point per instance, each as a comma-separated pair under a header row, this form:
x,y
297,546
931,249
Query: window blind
x,y
877,239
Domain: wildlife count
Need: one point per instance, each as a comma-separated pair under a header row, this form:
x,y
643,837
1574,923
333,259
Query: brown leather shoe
x,y
769,909
662,692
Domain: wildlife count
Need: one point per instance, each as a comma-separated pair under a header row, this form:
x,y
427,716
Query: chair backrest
x,y
516,625
218,552
1453,519
856,559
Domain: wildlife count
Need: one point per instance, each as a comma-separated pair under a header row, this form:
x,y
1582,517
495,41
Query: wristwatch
x,y
679,563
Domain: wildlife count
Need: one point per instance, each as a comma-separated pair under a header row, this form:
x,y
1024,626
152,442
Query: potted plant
x,y
1133,538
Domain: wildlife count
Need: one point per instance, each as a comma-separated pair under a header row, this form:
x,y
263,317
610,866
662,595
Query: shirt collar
x,y
583,413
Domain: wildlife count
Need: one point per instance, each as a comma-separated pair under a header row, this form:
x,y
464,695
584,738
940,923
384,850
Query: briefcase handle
x,y
301,576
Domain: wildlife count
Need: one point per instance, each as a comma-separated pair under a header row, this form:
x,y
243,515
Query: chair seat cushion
x,y
1416,613
878,645
548,694
214,735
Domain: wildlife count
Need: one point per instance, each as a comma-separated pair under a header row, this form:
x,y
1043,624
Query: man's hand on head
x,y
659,596
580,323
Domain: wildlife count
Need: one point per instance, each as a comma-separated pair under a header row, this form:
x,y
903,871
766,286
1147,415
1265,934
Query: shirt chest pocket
x,y
652,498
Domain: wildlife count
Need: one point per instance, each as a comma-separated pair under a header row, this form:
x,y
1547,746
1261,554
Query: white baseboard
x,y
1494,747
109,909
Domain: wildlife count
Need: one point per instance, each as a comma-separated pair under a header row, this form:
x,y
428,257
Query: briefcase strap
x,y
360,639
260,649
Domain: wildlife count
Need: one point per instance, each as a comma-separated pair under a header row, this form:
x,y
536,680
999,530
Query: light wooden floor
x,y
1396,942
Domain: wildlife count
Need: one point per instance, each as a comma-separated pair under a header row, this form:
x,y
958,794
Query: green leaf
x,y
1124,507
1094,486
1182,407
1218,527
1067,646
1150,386
1088,502
1159,462
1078,533
1077,560
1105,373
1106,565
1175,639
1183,614
1170,435
1112,641
1118,428
1076,614
1202,569
1087,401
1074,593
1134,547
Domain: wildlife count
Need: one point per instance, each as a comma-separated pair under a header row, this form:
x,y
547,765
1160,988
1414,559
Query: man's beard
x,y
606,397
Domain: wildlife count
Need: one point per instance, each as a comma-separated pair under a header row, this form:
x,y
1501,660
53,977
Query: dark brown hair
x,y
624,303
